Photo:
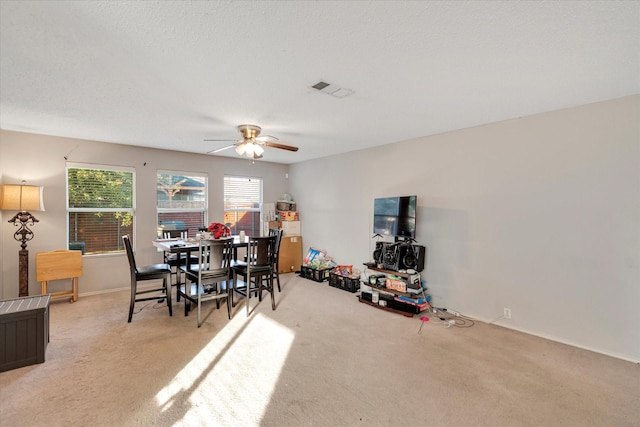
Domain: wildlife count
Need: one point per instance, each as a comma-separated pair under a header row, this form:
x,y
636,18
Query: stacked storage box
x,y
290,256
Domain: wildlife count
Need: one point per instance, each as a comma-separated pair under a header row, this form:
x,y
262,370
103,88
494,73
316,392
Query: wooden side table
x,y
58,265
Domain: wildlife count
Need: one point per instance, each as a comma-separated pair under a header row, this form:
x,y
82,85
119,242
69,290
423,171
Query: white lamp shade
x,y
21,198
258,150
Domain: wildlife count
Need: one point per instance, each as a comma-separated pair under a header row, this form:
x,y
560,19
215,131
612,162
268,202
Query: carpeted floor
x,y
321,359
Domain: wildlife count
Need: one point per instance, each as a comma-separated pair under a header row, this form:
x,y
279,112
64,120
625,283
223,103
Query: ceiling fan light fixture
x,y
252,145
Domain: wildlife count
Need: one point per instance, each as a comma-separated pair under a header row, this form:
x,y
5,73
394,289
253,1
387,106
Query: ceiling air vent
x,y
320,85
332,90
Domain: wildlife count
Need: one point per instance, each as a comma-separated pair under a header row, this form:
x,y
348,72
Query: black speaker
x,y
411,257
377,253
390,256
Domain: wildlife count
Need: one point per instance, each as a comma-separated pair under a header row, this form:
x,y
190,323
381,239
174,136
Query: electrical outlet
x,y
507,313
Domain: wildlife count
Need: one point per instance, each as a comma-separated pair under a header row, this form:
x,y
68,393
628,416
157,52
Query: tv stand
x,y
392,310
392,272
396,301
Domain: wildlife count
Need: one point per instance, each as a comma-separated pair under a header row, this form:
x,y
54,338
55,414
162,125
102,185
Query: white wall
x,y
40,160
539,214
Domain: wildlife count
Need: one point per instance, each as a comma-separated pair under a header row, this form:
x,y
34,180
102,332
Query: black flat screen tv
x,y
395,216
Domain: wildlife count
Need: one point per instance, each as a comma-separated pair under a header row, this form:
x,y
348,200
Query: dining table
x,y
186,246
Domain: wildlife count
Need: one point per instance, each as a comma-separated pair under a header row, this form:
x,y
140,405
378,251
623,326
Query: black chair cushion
x,y
152,270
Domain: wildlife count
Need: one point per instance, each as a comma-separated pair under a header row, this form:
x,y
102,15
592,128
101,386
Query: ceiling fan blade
x,y
221,149
281,146
265,138
220,140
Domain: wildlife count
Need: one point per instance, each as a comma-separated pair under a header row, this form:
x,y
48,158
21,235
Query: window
x,y
242,201
100,208
181,202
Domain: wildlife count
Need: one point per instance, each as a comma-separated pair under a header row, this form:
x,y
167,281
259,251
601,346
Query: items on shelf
x,y
287,216
394,291
286,203
281,215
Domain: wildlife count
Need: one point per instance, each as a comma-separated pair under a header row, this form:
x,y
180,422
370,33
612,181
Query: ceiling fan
x,y
252,145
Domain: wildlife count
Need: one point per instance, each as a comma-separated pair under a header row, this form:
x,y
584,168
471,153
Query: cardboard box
x,y
288,216
291,228
268,212
268,225
290,257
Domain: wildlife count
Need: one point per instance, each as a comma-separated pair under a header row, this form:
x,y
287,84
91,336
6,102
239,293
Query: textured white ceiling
x,y
169,74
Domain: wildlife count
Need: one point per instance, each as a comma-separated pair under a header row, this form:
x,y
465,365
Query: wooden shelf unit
x,y
385,308
382,289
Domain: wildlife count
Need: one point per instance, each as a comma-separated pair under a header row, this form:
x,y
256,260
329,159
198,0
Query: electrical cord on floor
x,y
156,304
449,320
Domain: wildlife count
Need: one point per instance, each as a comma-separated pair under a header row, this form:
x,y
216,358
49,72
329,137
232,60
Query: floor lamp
x,y
23,198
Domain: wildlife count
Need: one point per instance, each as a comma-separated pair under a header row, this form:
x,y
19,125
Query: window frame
x,y
189,174
257,210
131,210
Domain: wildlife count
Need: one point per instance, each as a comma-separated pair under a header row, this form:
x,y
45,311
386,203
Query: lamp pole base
x,y
23,259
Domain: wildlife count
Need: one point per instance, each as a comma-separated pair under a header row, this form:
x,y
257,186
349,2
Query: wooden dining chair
x,y
175,260
276,268
257,271
147,272
210,278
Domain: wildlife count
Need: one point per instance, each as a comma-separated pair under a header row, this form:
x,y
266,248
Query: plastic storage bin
x,y
350,284
317,275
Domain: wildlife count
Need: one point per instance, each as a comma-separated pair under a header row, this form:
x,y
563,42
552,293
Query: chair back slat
x,y
278,233
132,259
214,258
261,251
175,234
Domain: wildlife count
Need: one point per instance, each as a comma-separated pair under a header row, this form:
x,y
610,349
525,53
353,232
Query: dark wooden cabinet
x,y
24,331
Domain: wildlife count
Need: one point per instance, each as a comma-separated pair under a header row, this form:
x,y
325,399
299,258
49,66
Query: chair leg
x,y
177,285
248,297
229,302
167,290
179,281
133,299
278,281
233,287
199,309
271,291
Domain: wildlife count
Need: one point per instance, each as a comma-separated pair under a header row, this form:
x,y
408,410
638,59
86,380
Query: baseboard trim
x,y
624,357
104,291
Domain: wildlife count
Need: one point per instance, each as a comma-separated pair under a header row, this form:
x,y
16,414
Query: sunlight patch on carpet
x,y
231,381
